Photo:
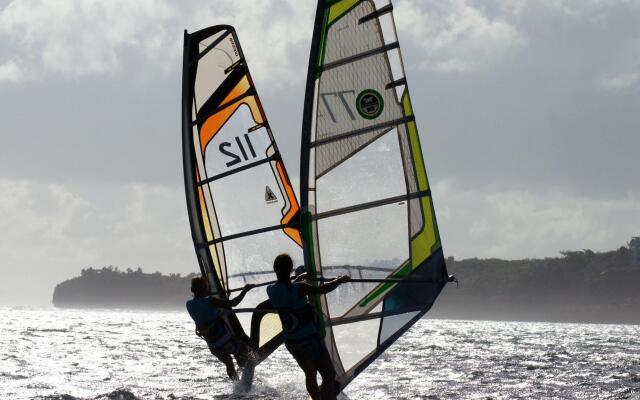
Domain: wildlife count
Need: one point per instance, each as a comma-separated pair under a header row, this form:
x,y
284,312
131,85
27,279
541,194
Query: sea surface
x,y
82,354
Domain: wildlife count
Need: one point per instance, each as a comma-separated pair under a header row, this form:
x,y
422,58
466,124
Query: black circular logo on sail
x,y
369,104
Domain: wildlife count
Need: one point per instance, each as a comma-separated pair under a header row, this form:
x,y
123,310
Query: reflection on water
x,y
67,354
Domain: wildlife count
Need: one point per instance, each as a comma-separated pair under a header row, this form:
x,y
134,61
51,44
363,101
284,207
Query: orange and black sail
x,y
242,207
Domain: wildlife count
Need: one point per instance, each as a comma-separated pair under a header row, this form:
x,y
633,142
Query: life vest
x,y
211,324
218,335
297,315
292,319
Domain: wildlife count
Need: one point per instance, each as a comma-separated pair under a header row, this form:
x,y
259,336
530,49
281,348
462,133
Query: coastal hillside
x,y
578,286
109,287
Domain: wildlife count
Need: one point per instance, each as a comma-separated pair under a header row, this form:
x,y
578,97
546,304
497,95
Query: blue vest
x,y
201,312
295,311
210,326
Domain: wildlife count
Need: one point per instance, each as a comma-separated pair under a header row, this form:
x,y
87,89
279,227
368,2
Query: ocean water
x,y
77,354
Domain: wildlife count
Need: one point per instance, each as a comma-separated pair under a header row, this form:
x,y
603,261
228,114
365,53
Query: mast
x,y
189,167
307,120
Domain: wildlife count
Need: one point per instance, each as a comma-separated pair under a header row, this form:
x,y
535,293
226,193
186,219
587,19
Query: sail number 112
x,y
229,150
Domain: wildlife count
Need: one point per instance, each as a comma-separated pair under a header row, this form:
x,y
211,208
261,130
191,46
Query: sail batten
x,y
360,56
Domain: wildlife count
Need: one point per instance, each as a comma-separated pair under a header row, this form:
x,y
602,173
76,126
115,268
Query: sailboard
x,y
367,208
229,158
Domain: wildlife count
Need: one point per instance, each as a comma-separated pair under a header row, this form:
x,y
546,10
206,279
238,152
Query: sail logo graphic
x,y
235,49
269,196
369,104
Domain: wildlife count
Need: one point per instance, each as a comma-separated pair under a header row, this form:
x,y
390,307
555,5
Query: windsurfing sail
x,y
242,208
365,196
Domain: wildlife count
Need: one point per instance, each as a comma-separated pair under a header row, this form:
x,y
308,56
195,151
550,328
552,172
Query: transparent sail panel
x,y
248,200
391,324
375,244
250,260
373,173
356,340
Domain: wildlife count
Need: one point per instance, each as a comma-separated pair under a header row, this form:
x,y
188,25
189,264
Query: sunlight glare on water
x,y
82,354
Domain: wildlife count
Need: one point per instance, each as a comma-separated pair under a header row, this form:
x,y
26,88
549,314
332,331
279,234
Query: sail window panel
x,y
397,71
415,209
270,326
381,4
248,200
354,96
250,260
387,27
369,243
356,340
396,64
212,67
233,146
373,173
407,159
393,323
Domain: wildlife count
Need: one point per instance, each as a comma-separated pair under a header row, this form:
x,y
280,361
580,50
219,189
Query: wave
x,y
118,394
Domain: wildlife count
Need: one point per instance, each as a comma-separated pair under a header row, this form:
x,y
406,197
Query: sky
x,y
529,111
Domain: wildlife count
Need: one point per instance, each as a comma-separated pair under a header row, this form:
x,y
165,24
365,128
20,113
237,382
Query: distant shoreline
x,y
578,287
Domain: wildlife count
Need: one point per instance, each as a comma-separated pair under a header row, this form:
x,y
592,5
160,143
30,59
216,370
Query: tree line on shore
x,y
110,287
580,286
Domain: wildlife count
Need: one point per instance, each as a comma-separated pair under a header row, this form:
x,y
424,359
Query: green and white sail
x,y
366,200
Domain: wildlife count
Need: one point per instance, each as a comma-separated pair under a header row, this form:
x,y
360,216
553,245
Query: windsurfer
x,y
301,335
216,325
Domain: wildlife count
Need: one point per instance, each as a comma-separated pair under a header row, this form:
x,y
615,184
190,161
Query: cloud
x,y
275,36
519,223
10,71
72,38
83,37
620,82
51,231
593,10
455,35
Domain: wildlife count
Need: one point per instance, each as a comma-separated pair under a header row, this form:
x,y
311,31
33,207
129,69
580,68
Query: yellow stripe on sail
x,y
428,240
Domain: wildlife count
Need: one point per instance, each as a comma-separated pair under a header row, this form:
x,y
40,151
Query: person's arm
x,y
300,277
228,303
306,289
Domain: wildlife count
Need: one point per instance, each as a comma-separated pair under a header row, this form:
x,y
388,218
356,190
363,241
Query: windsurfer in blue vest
x,y
215,325
301,335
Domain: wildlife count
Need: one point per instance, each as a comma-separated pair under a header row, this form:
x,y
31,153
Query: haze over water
x,y
81,354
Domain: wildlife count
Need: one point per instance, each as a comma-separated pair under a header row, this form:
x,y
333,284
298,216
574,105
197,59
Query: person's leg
x,y
311,380
309,369
246,362
228,362
328,374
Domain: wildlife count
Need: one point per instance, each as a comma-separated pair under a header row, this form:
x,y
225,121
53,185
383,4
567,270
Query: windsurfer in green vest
x,y
221,329
301,336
